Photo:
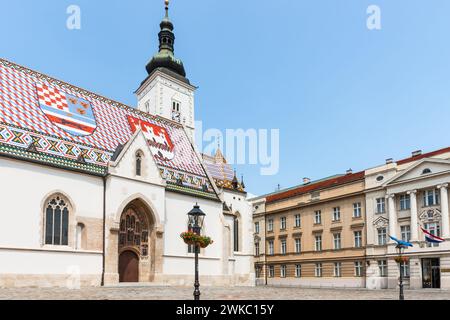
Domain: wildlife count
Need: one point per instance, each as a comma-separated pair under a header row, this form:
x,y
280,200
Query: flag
x,y
431,237
401,242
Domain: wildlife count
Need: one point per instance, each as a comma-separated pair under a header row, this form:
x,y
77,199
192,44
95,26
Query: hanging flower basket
x,y
204,242
401,259
191,238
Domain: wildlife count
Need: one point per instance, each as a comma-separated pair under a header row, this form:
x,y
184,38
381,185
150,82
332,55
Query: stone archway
x,y
135,244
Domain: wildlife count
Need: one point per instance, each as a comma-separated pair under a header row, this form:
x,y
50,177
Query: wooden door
x,y
128,267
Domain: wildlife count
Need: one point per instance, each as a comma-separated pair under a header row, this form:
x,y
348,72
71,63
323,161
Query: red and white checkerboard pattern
x,y
51,97
19,106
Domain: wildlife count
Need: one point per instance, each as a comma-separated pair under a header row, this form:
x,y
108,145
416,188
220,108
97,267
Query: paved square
x,y
236,293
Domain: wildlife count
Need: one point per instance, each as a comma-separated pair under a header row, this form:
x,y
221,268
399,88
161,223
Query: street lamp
x,y
196,217
400,249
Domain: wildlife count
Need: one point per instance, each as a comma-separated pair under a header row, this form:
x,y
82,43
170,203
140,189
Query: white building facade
x,y
402,198
96,193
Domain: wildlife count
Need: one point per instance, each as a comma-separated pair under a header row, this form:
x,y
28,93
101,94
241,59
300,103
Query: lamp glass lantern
x,y
196,219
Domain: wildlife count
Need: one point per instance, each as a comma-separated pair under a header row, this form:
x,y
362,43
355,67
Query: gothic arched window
x,y
236,234
57,221
139,164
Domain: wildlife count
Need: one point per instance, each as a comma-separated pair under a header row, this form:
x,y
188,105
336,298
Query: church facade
x,y
97,192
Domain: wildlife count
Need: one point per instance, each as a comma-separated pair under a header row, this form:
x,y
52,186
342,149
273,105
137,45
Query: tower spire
x,y
165,58
167,8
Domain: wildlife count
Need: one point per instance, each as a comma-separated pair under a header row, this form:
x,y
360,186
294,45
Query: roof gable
x,y
420,170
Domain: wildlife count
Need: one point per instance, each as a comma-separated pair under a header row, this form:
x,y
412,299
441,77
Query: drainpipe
x,y
265,247
104,229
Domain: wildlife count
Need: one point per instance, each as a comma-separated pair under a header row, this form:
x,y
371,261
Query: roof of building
x,y
223,174
423,156
52,122
316,186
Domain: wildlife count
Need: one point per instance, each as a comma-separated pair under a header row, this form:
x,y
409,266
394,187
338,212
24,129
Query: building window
x,y
382,268
318,217
318,243
358,269
337,269
337,241
298,245
430,198
134,232
271,271
357,212
270,225
236,234
283,271
298,270
257,227
298,221
358,238
434,229
257,249
258,272
57,222
406,233
283,246
382,240
147,106
283,223
176,115
404,269
139,164
336,214
381,205
271,251
405,202
318,270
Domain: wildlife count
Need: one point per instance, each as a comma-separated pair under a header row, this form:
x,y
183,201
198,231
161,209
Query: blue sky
x,y
342,96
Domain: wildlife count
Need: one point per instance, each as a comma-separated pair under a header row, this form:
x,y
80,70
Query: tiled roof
x,y
423,156
23,122
333,182
221,171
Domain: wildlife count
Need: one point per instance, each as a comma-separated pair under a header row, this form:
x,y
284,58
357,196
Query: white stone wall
x,y
24,190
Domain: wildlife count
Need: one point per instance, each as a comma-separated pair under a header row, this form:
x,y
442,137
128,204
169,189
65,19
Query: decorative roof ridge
x,y
88,93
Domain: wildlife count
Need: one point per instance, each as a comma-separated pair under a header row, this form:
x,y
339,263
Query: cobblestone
x,y
236,293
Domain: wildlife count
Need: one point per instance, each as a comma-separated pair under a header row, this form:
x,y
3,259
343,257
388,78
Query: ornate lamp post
x,y
400,259
196,217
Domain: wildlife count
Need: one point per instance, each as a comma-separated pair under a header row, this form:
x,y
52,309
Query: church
x,y
98,192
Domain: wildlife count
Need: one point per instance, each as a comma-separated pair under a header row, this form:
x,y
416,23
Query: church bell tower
x,y
166,91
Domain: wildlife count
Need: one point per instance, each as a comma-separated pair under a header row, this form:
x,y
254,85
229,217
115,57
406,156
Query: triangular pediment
x,y
125,163
423,169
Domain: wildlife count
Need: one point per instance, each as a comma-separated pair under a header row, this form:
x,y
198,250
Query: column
x,y
392,216
414,218
444,211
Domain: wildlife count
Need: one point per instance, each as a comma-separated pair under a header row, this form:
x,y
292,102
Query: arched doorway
x,y
133,243
128,267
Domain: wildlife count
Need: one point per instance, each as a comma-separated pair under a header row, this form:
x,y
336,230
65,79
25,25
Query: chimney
x,y
349,171
389,161
306,180
417,153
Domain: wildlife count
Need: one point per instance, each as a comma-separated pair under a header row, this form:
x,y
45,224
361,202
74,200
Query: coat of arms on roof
x,y
157,138
68,112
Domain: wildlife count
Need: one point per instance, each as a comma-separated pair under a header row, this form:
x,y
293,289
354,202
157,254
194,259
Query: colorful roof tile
x,y
47,120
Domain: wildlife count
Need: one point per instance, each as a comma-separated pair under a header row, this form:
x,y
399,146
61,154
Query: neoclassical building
x,y
97,193
404,197
336,232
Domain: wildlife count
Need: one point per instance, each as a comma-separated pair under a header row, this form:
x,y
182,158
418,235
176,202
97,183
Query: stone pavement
x,y
236,293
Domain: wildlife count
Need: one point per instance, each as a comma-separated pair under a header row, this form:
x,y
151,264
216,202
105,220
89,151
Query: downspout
x,y
265,246
104,229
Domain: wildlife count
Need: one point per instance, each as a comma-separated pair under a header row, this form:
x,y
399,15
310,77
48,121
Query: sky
x,y
341,95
